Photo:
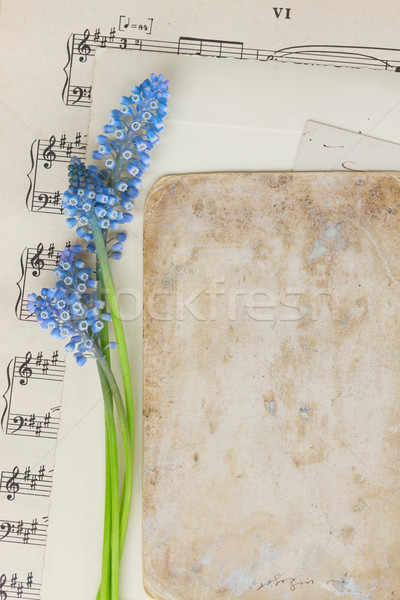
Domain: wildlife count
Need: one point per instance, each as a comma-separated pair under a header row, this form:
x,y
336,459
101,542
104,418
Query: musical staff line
x,y
50,369
44,155
83,47
48,202
25,482
21,371
34,261
12,587
43,426
32,532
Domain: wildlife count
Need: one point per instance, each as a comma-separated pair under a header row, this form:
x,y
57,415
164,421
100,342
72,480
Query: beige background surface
x,y
33,54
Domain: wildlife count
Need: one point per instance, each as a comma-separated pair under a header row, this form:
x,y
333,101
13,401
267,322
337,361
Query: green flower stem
x,y
103,335
111,554
107,281
104,589
126,440
106,351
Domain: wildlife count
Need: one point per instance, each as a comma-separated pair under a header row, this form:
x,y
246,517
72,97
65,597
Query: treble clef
x,y
3,580
83,48
37,263
25,371
12,486
48,154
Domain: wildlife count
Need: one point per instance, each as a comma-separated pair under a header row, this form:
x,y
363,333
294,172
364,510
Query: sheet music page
x,y
324,147
47,53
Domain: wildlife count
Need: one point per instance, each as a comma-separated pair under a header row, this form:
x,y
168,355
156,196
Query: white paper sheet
x,y
326,148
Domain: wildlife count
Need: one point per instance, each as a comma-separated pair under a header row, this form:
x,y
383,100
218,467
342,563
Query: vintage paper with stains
x,y
271,410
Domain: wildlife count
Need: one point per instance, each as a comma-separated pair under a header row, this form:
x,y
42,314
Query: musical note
x,y
24,371
11,485
37,263
340,56
208,47
83,48
48,154
122,24
125,23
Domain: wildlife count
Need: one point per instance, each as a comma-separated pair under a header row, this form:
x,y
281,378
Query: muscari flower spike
x,y
108,195
71,308
89,198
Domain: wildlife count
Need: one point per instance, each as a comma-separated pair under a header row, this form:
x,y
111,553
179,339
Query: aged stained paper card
x,y
271,386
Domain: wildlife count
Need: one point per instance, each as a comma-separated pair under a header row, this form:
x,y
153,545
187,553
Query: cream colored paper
x,y
203,132
46,61
324,147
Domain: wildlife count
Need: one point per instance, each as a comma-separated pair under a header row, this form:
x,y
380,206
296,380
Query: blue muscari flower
x,y
107,196
89,198
71,309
